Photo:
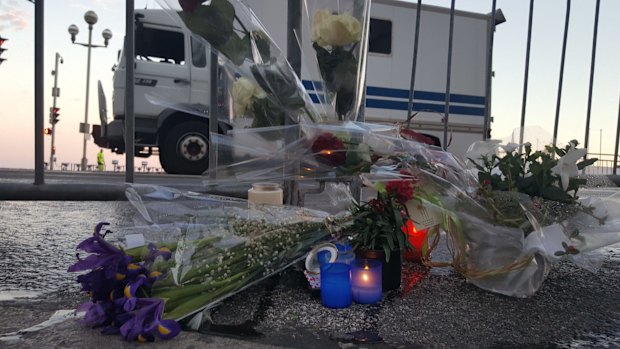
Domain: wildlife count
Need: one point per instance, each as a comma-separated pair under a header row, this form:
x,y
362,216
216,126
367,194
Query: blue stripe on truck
x,y
375,91
439,108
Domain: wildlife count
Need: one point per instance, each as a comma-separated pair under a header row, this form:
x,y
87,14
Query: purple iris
x,y
102,255
115,286
147,323
155,252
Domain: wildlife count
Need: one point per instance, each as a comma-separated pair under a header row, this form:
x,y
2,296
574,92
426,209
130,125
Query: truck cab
x,y
171,96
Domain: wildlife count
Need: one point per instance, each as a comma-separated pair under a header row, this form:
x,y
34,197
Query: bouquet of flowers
x,y
380,224
264,85
339,38
541,175
196,251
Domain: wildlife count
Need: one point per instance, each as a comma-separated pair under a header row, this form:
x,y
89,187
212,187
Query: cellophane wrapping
x,y
219,245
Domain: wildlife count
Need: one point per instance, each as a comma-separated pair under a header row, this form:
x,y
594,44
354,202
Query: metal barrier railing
x,y
605,165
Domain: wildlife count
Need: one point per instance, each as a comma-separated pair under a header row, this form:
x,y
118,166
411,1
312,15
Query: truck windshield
x,y
159,45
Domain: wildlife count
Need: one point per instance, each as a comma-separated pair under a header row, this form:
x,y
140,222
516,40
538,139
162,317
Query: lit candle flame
x,y
365,277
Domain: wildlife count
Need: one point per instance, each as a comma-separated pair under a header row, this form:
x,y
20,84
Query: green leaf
x,y
236,49
555,193
581,165
213,22
387,251
380,186
480,168
390,242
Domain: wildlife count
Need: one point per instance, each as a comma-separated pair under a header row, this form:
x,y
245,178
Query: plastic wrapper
x,y
256,82
336,47
219,246
309,151
504,258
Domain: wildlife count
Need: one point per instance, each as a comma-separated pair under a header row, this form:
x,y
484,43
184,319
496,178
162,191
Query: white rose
x,y
319,17
335,30
354,27
243,91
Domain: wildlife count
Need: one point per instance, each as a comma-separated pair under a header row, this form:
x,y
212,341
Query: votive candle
x,y
266,193
417,238
336,285
366,281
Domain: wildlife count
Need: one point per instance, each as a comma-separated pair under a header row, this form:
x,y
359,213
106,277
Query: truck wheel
x,y
185,149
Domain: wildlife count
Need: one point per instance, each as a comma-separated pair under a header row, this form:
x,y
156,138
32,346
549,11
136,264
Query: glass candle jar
x,y
366,281
336,285
266,193
345,253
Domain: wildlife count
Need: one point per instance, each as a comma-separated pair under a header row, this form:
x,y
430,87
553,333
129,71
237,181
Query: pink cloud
x,y
13,18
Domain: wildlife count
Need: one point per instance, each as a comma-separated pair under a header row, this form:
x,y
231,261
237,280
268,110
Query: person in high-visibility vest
x,y
100,161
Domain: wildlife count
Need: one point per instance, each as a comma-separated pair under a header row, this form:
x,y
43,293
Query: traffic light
x,y
54,114
2,40
47,131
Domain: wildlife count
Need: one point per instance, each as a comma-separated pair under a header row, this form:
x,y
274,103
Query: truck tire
x,y
185,149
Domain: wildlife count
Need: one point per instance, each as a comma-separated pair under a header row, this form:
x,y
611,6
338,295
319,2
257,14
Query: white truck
x,y
170,63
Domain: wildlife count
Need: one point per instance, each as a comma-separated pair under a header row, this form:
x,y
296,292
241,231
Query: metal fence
x,y
604,166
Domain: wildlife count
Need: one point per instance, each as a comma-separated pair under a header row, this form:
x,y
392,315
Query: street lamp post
x,y
53,111
91,18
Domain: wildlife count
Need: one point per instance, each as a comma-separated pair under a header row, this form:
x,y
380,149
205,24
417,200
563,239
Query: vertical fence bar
x,y
487,115
214,113
130,121
527,71
448,74
615,159
38,93
414,63
592,65
293,55
560,83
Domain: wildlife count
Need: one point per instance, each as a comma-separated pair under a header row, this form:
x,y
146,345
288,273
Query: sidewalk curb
x,y
88,192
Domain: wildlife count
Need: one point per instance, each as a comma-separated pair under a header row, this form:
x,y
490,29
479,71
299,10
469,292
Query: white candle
x,y
265,193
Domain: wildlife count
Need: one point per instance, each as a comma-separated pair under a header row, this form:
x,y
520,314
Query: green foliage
x,y
339,71
530,173
267,113
377,225
214,22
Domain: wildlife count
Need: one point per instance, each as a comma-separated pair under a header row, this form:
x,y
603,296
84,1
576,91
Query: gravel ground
x,y
434,308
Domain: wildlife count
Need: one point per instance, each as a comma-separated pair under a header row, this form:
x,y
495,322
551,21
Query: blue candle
x,y
366,281
336,285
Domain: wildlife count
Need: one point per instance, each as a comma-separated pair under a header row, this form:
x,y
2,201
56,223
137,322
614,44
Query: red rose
x,y
376,205
329,149
401,189
190,5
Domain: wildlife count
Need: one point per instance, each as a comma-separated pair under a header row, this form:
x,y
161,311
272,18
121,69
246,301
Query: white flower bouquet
x,y
340,39
260,81
218,245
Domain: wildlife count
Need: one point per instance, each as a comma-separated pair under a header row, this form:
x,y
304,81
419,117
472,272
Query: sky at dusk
x,y
17,79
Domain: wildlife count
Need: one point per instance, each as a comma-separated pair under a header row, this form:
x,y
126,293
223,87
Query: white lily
x,y
567,165
479,149
510,147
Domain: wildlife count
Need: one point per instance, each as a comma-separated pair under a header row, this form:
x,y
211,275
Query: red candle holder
x,y
417,238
